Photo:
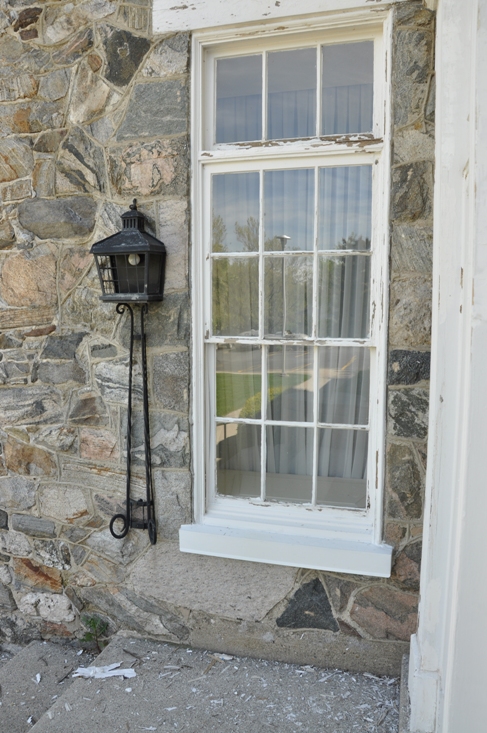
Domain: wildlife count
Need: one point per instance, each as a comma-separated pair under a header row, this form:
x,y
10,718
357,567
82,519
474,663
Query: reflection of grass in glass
x,y
243,391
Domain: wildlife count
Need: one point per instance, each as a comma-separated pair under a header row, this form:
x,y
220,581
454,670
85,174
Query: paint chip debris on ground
x,y
180,689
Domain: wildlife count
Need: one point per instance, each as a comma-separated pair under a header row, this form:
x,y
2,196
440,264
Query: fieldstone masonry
x,y
94,111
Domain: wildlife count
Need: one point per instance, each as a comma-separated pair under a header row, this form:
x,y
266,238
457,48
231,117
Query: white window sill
x,y
344,556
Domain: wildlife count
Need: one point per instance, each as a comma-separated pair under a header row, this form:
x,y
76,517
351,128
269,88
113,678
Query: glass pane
x,y
290,383
348,75
291,105
238,381
344,297
345,207
235,296
344,376
288,210
342,468
235,213
288,288
289,463
238,450
239,99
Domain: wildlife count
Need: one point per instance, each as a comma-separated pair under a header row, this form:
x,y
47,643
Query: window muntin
x,y
277,95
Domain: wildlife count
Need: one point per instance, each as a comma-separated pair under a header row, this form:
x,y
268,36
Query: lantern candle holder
x,y
131,268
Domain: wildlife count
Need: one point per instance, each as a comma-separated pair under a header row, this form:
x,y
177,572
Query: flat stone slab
x,y
183,689
30,681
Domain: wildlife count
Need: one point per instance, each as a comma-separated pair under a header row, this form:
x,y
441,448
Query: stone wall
x,y
94,112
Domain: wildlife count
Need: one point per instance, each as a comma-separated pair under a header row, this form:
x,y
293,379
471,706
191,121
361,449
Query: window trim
x,y
284,534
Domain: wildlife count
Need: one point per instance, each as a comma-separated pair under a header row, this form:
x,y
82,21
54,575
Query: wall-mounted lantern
x,y
131,267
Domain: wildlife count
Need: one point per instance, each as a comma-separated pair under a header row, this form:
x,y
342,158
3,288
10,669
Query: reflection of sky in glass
x,y
235,225
347,88
291,107
345,199
239,99
288,209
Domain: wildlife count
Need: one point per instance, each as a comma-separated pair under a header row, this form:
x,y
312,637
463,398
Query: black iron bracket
x,y
139,512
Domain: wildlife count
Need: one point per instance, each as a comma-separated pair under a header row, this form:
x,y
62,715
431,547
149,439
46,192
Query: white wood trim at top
x,y
171,16
319,537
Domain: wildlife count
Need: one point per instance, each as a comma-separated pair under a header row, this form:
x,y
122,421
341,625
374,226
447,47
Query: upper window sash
x,y
323,75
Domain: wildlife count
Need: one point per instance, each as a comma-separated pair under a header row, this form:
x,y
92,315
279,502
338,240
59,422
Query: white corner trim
x,y
423,689
171,15
346,556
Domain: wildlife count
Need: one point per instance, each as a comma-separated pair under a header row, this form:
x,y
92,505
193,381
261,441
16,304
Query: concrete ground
x,y
181,689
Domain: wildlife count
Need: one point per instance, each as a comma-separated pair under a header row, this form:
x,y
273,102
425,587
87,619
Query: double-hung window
x,y
289,281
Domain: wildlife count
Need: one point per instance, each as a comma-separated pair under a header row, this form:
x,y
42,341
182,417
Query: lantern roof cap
x,y
132,238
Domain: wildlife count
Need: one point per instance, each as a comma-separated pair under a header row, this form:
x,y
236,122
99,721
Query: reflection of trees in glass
x,y
248,234
356,242
218,233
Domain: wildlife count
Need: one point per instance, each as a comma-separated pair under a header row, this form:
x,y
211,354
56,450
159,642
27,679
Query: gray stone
x,y
407,566
17,190
22,56
29,278
169,98
413,14
170,376
112,379
173,231
75,534
120,551
412,144
57,437
30,406
74,598
55,85
124,52
16,159
3,519
62,20
52,373
408,412
170,321
62,347
169,57
33,526
14,543
17,86
78,554
340,591
169,439
122,611
412,65
75,48
91,96
404,483
6,598
309,608
43,178
12,372
53,554
52,607
73,216
134,17
17,492
150,168
84,308
31,117
430,107
408,367
64,502
49,142
412,191
412,248
103,570
410,312
7,234
103,351
172,502
215,585
102,129
171,622
88,409
81,165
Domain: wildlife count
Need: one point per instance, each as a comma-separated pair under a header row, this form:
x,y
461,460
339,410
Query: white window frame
x,y
321,537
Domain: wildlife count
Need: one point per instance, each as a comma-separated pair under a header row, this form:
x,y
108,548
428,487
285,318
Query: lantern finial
x,y
133,205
